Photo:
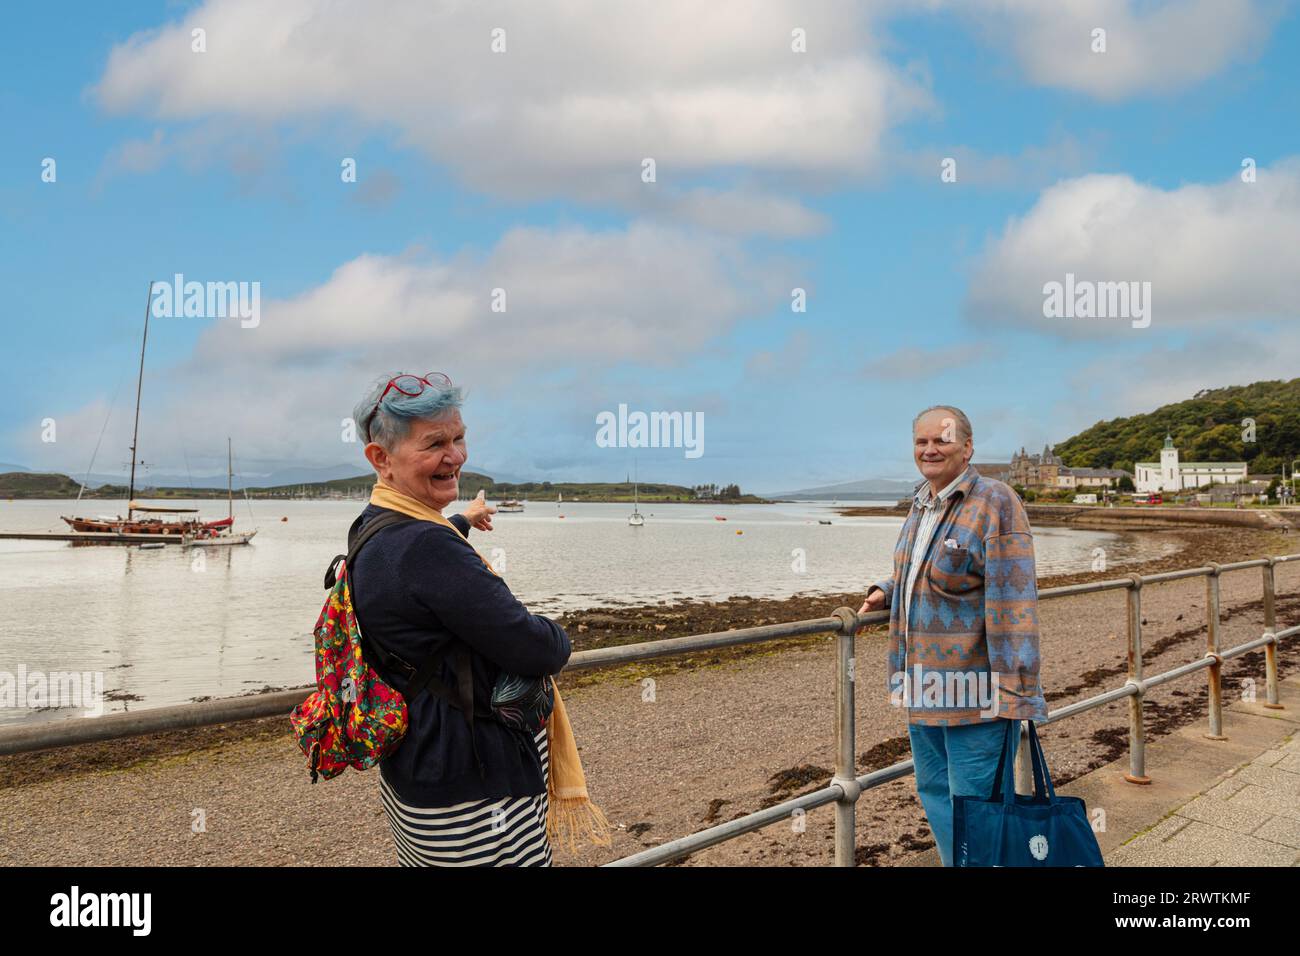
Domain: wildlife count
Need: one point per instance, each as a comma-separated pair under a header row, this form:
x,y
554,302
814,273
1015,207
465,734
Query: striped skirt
x,y
510,831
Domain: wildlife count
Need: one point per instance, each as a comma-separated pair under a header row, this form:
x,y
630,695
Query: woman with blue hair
x,y
469,785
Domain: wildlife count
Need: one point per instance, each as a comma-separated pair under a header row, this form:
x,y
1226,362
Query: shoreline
x,y
1117,518
600,626
219,494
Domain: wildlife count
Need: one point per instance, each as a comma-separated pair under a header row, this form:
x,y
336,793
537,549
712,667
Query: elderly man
x,y
963,624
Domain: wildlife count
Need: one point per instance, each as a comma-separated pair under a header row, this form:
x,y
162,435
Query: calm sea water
x,y
168,626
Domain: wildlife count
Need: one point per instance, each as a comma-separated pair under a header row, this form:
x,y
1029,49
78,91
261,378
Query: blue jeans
x,y
953,761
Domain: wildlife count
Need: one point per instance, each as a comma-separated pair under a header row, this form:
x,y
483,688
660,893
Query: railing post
x,y
1270,649
845,741
1137,756
1215,671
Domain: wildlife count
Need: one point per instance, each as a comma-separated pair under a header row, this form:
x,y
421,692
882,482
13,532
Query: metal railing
x,y
846,786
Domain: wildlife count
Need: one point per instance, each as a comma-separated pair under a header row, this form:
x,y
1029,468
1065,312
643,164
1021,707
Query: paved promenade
x,y
1250,815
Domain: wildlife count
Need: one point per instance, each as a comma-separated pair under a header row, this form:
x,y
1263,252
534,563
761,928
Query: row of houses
x,y
1046,471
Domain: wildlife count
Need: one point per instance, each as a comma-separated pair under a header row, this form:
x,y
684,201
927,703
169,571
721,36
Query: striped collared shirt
x,y
931,511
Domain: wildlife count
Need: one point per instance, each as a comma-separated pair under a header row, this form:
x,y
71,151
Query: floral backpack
x,y
355,718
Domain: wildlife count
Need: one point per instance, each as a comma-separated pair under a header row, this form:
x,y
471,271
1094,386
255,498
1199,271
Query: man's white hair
x,y
963,423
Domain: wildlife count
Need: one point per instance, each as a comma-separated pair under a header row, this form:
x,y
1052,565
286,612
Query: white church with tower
x,y
1169,474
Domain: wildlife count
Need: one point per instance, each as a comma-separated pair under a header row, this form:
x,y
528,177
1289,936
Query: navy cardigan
x,y
413,581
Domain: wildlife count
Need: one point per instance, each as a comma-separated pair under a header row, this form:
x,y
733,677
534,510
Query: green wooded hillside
x,y
1206,427
35,484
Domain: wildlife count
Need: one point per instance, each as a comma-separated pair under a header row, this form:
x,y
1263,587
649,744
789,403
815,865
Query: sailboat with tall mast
x,y
635,519
180,527
214,537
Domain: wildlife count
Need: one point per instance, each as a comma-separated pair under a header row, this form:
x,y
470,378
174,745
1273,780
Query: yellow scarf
x,y
571,813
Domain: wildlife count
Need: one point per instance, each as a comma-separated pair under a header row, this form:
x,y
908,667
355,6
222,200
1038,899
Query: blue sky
x,y
521,169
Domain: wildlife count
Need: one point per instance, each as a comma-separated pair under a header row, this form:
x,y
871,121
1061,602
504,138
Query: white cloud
x,y
648,295
246,151
781,364
745,212
138,155
584,91
1221,252
1033,167
1130,384
1152,46
912,364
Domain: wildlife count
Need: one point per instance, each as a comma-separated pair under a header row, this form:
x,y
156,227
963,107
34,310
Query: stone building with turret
x,y
1046,471
1035,471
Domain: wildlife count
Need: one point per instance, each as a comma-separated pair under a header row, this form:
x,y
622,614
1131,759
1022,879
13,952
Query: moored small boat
x,y
636,519
220,540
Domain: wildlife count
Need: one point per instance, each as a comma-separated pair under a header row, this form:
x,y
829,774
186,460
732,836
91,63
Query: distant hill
x,y
355,485
32,484
282,476
869,488
1206,427
605,491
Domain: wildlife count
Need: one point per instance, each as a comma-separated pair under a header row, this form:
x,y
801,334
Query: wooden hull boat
x,y
148,525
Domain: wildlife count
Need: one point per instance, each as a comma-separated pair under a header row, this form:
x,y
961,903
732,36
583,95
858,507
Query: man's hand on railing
x,y
875,601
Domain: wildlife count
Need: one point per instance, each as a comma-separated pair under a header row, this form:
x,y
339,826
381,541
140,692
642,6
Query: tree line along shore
x,y
51,485
1132,518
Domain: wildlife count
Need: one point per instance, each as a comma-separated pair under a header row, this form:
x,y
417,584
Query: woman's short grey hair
x,y
963,423
392,421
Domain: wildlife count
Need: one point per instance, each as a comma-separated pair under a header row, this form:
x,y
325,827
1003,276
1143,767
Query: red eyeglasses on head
x,y
409,385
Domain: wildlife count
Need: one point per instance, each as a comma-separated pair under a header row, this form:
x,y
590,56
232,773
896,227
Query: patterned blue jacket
x,y
971,652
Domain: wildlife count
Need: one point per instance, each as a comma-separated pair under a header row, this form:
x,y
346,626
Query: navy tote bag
x,y
1008,829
